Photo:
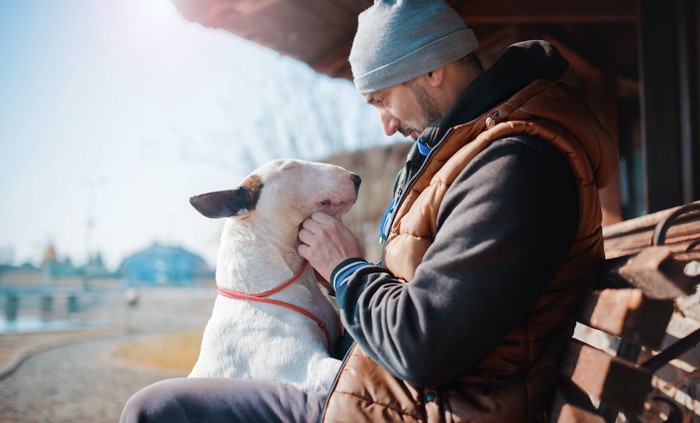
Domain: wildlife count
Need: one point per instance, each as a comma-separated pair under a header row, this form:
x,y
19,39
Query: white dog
x,y
271,321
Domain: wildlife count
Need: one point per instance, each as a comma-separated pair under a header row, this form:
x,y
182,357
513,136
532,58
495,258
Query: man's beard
x,y
428,106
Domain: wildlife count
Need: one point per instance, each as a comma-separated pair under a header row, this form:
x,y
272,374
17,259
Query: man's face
x,y
407,108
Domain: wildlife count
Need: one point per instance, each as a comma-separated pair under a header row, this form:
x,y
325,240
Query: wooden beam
x,y
689,56
577,61
334,63
627,313
656,272
568,413
247,7
216,13
545,11
660,103
609,379
562,410
644,223
631,236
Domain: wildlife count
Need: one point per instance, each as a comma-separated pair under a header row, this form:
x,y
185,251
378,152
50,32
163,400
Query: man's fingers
x,y
317,225
311,225
325,242
305,235
322,217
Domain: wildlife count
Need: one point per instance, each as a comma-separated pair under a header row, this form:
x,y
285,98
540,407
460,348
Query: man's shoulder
x,y
517,148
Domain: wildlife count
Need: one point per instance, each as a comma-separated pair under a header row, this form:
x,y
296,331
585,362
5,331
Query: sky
x,y
114,113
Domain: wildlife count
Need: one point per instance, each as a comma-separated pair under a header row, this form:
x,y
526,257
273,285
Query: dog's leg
x,y
322,372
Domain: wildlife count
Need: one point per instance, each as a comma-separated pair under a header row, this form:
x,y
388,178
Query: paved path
x,y
72,377
74,383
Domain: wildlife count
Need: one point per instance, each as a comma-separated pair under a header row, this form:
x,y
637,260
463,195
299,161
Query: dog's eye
x,y
326,202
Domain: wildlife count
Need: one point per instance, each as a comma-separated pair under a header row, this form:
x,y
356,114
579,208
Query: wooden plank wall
x,y
668,36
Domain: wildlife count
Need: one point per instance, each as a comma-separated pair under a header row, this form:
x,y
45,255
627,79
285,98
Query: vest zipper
x,y
390,213
335,380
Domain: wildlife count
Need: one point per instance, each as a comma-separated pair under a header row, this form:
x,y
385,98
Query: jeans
x,y
222,400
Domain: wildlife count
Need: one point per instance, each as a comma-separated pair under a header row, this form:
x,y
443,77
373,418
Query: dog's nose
x,y
356,180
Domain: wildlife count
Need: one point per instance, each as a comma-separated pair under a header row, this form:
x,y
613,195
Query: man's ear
x,y
436,77
228,203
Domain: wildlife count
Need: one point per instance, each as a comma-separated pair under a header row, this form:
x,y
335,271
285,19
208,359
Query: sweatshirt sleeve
x,y
503,229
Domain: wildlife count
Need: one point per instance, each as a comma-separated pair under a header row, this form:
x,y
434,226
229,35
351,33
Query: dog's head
x,y
286,191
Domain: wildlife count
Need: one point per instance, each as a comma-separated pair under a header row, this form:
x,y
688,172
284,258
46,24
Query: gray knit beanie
x,y
398,40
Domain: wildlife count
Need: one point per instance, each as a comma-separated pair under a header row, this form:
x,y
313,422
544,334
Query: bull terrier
x,y
271,320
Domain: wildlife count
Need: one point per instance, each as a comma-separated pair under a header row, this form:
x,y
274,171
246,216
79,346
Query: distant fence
x,y
47,302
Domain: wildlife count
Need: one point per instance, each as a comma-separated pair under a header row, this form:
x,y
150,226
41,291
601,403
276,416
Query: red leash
x,y
260,297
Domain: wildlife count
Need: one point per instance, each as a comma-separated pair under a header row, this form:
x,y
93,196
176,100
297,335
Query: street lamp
x,y
92,185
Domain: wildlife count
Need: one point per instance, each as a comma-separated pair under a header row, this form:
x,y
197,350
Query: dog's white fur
x,y
258,252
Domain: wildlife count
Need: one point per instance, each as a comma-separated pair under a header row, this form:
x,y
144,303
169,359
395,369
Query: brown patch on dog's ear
x,y
254,184
231,202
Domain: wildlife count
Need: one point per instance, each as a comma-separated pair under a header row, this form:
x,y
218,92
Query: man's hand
x,y
326,242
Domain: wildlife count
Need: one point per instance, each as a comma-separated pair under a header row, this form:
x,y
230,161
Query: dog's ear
x,y
225,203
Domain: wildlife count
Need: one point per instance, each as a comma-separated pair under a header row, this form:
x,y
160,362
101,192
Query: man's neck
x,y
457,78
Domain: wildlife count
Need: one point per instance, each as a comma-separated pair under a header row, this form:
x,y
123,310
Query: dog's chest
x,y
260,341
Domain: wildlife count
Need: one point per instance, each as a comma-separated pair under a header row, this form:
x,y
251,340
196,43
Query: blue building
x,y
162,264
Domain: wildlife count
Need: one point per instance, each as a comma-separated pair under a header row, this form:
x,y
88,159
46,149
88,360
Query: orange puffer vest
x,y
513,381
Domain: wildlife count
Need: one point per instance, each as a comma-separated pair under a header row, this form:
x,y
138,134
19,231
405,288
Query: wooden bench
x,y
634,356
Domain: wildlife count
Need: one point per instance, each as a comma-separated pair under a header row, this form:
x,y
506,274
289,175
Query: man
x,y
491,239
493,235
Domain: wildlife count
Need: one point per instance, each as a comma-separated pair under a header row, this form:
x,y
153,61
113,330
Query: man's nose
x,y
389,123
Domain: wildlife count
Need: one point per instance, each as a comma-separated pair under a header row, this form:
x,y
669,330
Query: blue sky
x,y
121,110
